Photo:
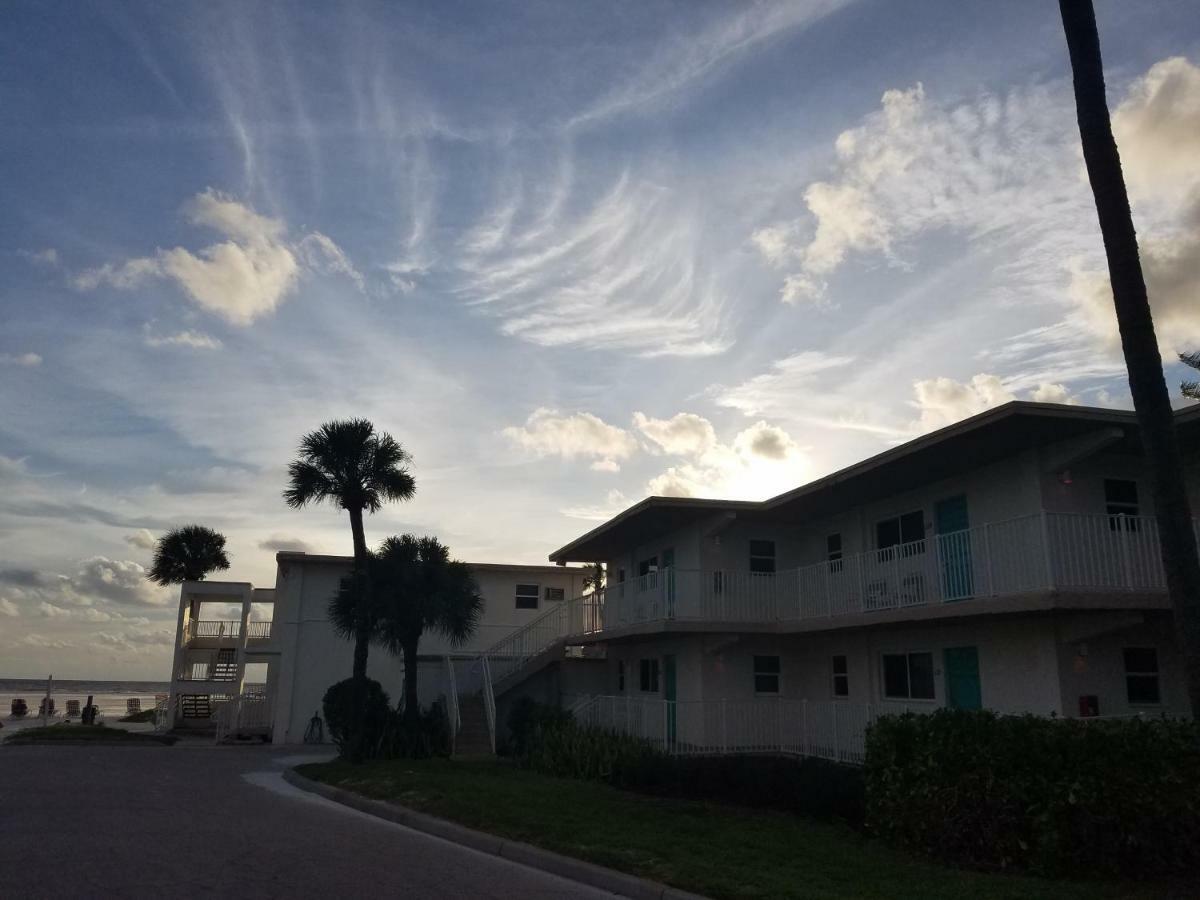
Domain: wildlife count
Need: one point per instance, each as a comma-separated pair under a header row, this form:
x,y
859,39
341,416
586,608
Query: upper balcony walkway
x,y
226,629
1092,556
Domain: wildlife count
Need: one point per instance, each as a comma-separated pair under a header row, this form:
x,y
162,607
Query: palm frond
x,y
308,484
188,553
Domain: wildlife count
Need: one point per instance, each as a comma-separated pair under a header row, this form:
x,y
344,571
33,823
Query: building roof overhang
x,y
974,442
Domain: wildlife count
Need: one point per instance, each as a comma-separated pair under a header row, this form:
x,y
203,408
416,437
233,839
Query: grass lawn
x,y
53,734
719,851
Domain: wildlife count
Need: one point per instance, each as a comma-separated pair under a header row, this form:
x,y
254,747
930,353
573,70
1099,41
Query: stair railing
x,y
489,701
452,711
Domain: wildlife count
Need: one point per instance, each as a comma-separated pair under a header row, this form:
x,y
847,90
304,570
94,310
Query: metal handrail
x,y
489,701
453,713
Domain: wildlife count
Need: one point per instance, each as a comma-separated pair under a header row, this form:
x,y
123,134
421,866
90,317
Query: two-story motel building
x,y
1008,562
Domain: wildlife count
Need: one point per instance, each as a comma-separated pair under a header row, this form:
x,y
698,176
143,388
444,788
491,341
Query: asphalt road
x,y
199,821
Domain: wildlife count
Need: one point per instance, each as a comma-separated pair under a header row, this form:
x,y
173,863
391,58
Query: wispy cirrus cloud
x,y
625,274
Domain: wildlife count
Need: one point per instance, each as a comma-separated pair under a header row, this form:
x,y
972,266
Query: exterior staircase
x,y
474,737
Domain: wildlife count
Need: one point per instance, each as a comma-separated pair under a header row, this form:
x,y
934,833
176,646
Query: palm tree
x,y
188,554
348,464
1190,389
417,588
1147,384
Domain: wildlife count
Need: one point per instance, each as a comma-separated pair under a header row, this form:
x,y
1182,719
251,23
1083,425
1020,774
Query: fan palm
x,y
349,464
1190,389
417,588
1142,359
188,554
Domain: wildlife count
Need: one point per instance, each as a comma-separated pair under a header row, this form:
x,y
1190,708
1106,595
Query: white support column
x,y
180,655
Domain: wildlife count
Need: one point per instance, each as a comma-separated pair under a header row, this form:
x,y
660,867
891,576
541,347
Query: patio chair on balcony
x,y
46,707
133,706
19,708
72,709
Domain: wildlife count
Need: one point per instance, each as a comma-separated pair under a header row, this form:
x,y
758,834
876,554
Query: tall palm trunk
x,y
362,635
362,577
412,706
1146,382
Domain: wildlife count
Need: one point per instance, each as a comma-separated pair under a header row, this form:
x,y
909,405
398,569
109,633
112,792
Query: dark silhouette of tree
x,y
1190,388
188,554
1146,380
416,587
595,578
349,464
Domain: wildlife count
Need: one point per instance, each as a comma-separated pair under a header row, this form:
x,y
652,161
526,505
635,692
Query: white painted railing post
x,y
836,754
724,728
987,559
779,720
1046,550
804,724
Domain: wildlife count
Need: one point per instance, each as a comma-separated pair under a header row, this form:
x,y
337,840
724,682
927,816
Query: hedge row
x,y
549,741
1057,796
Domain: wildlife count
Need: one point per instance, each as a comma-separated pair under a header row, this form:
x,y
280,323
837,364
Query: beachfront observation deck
x,y
226,656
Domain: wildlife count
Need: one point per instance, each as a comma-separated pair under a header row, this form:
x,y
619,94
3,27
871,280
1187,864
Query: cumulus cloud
x,y
684,434
20,359
761,461
1053,393
1157,127
97,581
195,340
8,608
548,433
944,401
1158,131
614,502
46,257
278,542
242,278
995,166
142,539
41,642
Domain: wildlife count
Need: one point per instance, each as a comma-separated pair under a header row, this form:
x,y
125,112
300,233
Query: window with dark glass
x,y
762,557
841,676
766,674
527,596
1141,676
1121,500
648,676
906,532
555,594
833,552
908,676
620,676
647,566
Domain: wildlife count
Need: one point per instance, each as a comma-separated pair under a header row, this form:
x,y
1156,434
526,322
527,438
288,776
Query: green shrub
x,y
1119,797
428,736
568,750
812,787
527,721
338,705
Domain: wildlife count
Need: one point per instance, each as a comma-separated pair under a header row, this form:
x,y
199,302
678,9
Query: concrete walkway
x,y
198,821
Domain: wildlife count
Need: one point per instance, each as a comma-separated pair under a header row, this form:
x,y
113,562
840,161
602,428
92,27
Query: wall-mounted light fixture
x,y
1064,477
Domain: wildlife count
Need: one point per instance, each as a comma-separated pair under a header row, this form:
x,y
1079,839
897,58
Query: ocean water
x,y
109,696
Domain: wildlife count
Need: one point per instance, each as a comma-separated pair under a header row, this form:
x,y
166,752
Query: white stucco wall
x,y
314,657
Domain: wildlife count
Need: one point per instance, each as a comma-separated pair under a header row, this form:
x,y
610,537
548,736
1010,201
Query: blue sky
x,y
568,254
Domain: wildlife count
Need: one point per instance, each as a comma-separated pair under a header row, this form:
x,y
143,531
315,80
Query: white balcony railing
x,y
1048,551
222,629
829,729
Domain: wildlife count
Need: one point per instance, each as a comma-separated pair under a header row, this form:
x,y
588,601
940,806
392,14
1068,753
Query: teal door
x,y
668,558
669,695
962,678
954,548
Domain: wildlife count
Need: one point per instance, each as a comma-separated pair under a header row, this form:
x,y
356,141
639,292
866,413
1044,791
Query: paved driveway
x,y
206,821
